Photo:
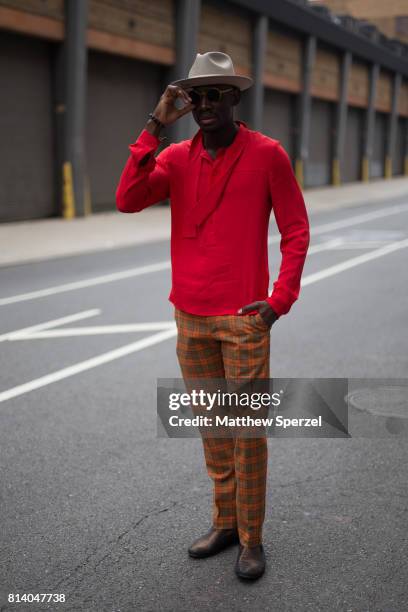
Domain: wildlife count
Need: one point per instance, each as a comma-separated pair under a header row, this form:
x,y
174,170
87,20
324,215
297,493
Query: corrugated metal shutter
x,y
277,119
121,93
318,166
378,159
351,162
26,125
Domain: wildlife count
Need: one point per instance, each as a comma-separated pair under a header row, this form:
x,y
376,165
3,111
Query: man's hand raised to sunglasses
x,y
166,111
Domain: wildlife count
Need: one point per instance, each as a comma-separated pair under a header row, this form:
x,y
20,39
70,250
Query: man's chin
x,y
209,127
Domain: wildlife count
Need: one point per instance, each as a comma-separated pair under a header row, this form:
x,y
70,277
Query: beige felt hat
x,y
213,68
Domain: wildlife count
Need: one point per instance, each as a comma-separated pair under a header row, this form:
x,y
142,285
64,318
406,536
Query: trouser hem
x,y
224,525
252,540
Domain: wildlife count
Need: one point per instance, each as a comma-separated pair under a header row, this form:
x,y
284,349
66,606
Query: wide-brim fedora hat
x,y
213,68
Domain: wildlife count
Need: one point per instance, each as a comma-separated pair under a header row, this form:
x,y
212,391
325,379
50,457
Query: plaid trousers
x,y
230,347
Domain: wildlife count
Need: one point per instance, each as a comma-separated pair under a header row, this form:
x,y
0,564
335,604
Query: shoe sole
x,y
248,576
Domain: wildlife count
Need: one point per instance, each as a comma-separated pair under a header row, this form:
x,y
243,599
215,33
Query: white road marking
x,y
354,261
15,335
97,330
89,282
165,335
165,265
350,221
342,244
88,364
325,246
169,333
356,246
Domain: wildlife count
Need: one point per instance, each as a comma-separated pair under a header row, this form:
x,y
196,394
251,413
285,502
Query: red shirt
x,y
220,213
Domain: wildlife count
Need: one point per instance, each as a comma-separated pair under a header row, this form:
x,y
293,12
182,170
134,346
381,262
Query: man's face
x,y
211,115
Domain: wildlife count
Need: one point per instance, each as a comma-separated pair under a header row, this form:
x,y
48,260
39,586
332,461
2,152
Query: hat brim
x,y
241,82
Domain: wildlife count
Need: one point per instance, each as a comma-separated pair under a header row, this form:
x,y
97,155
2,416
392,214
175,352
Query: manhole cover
x,y
381,401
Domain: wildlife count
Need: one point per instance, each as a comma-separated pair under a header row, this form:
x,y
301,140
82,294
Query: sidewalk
x,y
26,241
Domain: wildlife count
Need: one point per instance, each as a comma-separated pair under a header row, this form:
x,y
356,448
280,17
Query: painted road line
x,y
25,331
350,221
165,335
325,246
89,282
354,261
88,364
94,331
165,265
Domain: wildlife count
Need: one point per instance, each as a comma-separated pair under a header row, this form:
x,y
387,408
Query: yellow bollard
x,y
336,180
87,197
299,172
68,198
365,170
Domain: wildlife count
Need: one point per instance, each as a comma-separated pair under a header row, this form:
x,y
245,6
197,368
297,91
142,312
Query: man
x,y
223,185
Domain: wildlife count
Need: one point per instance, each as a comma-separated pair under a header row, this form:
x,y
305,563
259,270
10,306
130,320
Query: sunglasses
x,y
213,94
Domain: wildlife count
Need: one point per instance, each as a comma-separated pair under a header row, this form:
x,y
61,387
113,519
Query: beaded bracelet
x,y
156,120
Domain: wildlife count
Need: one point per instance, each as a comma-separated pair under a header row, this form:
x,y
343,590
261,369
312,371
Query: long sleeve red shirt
x,y
220,212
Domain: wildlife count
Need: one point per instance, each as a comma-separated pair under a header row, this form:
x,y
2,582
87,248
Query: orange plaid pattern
x,y
230,347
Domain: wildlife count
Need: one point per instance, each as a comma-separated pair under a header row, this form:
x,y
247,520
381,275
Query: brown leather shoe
x,y
213,542
250,562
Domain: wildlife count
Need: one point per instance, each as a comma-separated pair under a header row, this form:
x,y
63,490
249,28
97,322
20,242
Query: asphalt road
x,y
94,505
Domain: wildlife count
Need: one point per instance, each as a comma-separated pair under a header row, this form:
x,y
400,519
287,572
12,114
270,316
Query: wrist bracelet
x,y
156,120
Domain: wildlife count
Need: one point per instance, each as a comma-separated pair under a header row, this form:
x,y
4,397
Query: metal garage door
x,y
352,152
121,93
26,143
318,166
378,160
278,118
399,151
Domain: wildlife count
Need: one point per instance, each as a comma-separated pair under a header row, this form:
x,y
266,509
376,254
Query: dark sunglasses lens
x,y
195,97
213,95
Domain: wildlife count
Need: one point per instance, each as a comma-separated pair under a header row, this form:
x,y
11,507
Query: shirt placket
x,y
210,169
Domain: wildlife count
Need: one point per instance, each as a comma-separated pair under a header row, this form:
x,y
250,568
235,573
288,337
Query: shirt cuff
x,y
278,306
147,139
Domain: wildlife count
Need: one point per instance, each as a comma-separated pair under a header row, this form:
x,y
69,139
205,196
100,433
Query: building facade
x,y
391,17
79,79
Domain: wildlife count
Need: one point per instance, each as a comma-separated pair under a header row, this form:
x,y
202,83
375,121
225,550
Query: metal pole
x,y
58,70
187,28
368,141
392,125
75,188
305,109
341,118
256,92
